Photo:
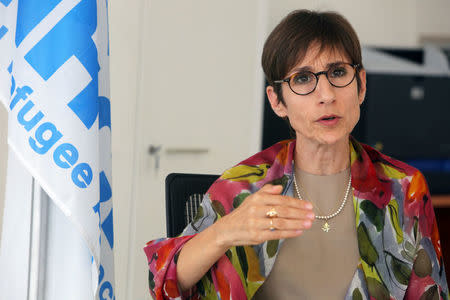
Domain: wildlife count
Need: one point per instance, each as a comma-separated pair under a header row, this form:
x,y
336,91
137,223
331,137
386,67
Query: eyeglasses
x,y
305,82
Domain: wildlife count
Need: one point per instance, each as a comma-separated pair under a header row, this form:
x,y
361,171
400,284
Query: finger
x,y
288,212
285,224
281,200
272,189
264,224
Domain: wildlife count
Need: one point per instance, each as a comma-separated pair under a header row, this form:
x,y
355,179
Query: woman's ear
x,y
362,88
277,106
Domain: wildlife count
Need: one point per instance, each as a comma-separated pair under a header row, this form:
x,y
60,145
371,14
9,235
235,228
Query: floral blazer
x,y
398,239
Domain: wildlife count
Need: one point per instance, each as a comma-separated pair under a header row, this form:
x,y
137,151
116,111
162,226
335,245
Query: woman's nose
x,y
325,90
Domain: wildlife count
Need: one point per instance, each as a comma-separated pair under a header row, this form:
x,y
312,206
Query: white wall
x,y
382,23
124,23
433,18
388,23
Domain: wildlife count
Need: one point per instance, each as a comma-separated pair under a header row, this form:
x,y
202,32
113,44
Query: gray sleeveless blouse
x,y
317,264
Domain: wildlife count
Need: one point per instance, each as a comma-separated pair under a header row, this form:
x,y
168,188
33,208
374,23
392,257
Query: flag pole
x,y
38,243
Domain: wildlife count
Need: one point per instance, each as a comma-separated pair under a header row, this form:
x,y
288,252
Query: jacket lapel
x,y
378,217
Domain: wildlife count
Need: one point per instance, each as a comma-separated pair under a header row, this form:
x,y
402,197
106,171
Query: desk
x,y
441,205
441,201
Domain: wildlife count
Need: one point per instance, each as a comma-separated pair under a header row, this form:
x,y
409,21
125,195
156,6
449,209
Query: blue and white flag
x,y
54,83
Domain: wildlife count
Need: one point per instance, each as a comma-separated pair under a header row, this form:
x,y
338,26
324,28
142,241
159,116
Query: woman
x,y
318,217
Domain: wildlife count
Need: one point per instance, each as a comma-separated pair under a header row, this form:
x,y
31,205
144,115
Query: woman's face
x,y
306,112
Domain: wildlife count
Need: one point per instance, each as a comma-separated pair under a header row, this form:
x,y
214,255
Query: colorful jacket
x,y
398,239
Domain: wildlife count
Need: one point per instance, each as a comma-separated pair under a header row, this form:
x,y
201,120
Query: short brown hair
x,y
288,42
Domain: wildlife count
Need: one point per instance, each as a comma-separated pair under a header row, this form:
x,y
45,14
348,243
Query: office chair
x,y
184,193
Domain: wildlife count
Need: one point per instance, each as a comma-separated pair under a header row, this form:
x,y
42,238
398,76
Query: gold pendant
x,y
326,227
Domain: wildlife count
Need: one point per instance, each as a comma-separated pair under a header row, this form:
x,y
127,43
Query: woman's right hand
x,y
246,225
249,224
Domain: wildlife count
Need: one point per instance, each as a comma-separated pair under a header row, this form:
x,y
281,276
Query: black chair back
x,y
184,193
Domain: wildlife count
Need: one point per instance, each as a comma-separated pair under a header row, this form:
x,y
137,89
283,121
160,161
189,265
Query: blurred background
x,y
187,93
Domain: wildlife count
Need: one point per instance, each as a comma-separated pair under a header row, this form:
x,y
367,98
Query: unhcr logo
x,y
57,46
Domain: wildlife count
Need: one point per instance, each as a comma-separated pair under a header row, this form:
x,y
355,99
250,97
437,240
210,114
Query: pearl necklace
x,y
326,227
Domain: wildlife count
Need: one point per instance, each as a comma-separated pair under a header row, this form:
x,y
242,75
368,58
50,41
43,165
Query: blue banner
x,y
54,82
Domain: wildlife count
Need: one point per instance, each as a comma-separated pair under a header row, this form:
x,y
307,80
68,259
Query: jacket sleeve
x,y
161,256
221,280
428,279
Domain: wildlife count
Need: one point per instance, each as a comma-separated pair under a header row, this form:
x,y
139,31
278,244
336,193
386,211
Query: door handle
x,y
154,151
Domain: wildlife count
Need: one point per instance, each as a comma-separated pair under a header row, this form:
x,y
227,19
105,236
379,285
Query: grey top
x,y
317,264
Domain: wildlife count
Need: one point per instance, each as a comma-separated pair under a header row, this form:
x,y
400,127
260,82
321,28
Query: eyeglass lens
x,y
339,75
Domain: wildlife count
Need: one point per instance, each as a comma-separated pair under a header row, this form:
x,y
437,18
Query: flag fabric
x,y
54,83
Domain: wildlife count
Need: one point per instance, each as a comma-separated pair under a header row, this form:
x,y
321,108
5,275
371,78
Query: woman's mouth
x,y
330,120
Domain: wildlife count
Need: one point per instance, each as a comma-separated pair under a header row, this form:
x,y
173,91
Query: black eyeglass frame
x,y
288,80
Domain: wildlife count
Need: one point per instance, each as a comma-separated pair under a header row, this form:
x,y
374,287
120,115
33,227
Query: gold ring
x,y
272,213
271,228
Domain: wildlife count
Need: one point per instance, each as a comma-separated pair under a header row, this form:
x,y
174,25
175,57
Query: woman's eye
x,y
338,72
302,78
